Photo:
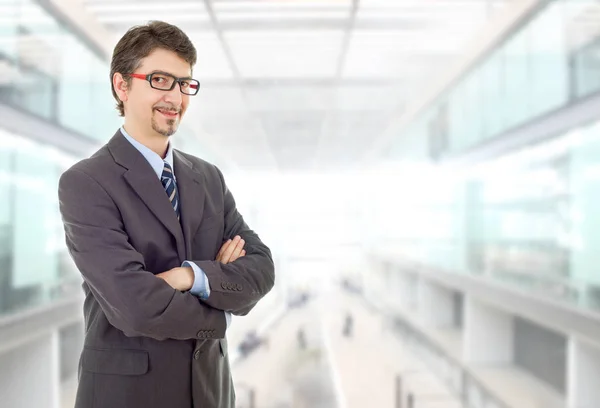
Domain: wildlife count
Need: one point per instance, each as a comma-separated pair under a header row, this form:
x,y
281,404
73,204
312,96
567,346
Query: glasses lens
x,y
190,86
162,81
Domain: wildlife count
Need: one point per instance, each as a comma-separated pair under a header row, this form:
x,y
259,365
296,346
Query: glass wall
x,y
48,71
34,264
522,215
529,219
586,63
550,61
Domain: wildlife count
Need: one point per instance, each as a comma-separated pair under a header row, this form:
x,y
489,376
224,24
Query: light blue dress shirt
x,y
201,287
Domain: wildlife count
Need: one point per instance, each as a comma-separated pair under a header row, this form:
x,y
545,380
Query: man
x,y
163,251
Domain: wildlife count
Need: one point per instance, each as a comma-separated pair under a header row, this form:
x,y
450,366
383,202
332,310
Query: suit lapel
x,y
191,195
147,186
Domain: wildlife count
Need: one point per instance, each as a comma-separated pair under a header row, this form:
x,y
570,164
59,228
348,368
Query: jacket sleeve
x,y
132,298
236,287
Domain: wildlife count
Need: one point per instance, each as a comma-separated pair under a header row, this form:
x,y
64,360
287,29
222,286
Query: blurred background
x,y
426,173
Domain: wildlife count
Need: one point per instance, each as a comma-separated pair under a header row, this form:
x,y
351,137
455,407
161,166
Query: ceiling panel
x,y
212,62
214,98
397,55
348,135
284,54
289,98
293,137
367,98
315,86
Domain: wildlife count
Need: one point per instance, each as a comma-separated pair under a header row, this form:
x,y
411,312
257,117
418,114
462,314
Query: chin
x,y
165,130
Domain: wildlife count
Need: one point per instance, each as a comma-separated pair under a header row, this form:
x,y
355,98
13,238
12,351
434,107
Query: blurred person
x,y
348,325
165,256
301,338
249,344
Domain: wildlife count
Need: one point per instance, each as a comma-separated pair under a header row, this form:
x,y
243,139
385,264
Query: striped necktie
x,y
168,182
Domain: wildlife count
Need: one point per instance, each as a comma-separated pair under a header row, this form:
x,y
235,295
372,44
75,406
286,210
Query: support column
x,y
30,375
583,374
488,334
436,305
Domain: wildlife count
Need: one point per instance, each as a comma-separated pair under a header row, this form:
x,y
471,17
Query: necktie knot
x,y
167,171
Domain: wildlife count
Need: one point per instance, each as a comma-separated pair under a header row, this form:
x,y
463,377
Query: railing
x,y
470,391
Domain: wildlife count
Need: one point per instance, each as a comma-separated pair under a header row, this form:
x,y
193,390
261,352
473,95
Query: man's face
x,y
153,109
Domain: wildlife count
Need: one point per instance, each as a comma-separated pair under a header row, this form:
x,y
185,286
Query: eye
x,y
185,84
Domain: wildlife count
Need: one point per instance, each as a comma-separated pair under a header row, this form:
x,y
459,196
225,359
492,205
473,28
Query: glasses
x,y
166,82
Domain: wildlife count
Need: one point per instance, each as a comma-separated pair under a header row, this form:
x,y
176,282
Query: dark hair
x,y
139,42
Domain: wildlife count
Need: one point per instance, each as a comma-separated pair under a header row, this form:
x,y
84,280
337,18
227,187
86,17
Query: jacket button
x,y
224,285
238,287
197,354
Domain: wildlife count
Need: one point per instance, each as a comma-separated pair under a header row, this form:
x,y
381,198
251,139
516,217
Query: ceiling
x,y
305,85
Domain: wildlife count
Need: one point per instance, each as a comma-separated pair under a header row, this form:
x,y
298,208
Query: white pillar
x,y
488,334
411,292
30,375
583,374
436,305
400,290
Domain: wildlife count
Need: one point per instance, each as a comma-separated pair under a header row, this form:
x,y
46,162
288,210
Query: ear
x,y
120,86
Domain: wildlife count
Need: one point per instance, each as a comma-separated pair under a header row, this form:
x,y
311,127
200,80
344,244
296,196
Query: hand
x,y
180,278
231,250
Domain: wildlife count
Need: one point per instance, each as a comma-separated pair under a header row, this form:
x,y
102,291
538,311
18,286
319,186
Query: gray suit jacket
x,y
148,345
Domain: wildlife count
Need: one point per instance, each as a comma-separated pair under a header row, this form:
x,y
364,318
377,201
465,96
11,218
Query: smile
x,y
168,114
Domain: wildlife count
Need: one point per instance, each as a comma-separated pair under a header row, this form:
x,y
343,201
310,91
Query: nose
x,y
174,96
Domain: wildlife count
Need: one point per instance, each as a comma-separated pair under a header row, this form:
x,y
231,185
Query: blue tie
x,y
168,182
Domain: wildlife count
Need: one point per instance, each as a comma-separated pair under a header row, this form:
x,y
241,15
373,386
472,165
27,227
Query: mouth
x,y
168,113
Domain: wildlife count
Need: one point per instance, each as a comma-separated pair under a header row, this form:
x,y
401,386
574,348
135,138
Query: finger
x,y
243,252
227,253
237,250
223,248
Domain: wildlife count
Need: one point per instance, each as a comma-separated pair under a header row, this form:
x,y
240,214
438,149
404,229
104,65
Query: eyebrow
x,y
168,73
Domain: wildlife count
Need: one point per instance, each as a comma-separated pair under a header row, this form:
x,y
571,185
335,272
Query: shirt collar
x,y
157,163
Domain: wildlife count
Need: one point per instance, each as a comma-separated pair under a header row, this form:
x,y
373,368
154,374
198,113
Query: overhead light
x,y
279,5
416,4
171,17
143,7
448,16
279,36
283,15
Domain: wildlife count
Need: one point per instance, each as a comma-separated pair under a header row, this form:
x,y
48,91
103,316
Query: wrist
x,y
188,278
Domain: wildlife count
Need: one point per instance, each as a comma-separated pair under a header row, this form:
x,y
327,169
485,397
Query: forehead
x,y
167,61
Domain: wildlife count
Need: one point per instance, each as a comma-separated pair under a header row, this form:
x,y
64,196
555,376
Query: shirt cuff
x,y
201,287
228,318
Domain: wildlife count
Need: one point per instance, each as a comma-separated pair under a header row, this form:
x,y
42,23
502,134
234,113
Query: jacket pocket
x,y
115,361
